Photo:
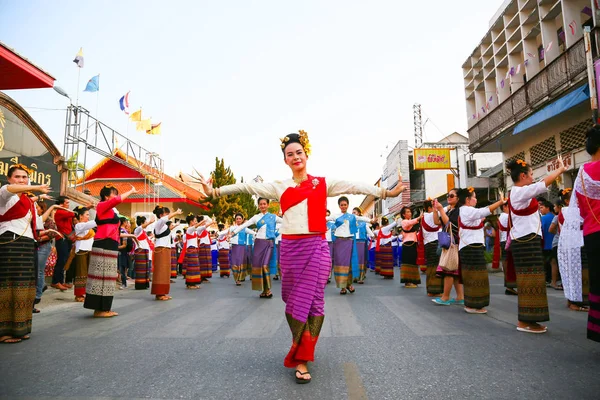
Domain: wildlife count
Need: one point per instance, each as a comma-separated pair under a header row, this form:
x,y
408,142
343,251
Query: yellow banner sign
x,y
431,159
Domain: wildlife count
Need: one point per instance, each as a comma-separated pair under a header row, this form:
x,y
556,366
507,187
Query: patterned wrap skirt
x,y
361,252
224,269
80,265
17,284
592,248
585,281
205,261
305,267
342,271
531,278
261,277
475,276
386,260
433,282
161,279
238,262
192,267
409,272
102,275
141,265
174,262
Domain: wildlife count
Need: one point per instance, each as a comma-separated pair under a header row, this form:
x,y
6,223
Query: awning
x,y
17,72
570,100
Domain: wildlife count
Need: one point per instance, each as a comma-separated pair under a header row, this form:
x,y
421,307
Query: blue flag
x,y
93,84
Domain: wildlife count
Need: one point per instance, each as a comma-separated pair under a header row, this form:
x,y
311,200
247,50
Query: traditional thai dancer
x,y
305,260
189,254
575,281
363,233
429,234
161,282
223,247
263,246
409,271
330,237
384,261
449,218
345,262
142,261
471,250
372,245
277,251
102,271
508,267
17,252
239,255
249,254
84,236
174,256
526,244
204,247
395,250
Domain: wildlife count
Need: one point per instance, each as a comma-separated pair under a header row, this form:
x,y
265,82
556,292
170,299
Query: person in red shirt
x,y
64,222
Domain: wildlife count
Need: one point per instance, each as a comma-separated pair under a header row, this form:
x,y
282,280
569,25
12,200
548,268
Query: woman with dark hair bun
x,y
409,270
526,244
84,236
429,234
471,250
142,261
587,201
384,257
305,259
161,279
102,270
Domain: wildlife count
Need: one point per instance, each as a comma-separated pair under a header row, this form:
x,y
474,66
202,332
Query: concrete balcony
x,y
562,74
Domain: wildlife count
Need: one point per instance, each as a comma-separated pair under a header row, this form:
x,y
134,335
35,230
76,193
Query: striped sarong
x,y
173,262
192,267
433,282
205,261
140,262
592,248
342,253
102,275
17,285
361,248
531,278
305,266
409,272
224,262
80,265
238,262
261,277
161,278
386,260
475,276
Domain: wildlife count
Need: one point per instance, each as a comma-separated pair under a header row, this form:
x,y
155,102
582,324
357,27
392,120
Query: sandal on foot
x,y
36,311
10,340
351,289
441,302
301,380
343,291
529,329
469,310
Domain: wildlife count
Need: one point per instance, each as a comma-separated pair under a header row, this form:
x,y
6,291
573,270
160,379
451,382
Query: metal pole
x,y
590,71
457,167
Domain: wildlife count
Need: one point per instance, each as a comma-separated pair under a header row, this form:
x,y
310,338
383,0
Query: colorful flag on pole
x,y
502,83
474,116
155,130
518,69
512,71
79,58
136,116
124,103
549,46
144,125
531,55
573,26
491,99
93,84
483,109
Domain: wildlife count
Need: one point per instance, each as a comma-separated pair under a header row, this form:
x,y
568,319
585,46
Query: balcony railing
x,y
559,76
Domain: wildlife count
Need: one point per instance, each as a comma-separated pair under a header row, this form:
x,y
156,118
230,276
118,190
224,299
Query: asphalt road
x,y
223,342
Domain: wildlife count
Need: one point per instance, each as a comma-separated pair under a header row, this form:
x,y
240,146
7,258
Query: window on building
x,y
560,32
541,52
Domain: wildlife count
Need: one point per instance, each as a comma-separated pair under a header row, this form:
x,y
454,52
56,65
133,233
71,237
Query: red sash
x,y
421,246
530,210
381,235
561,218
316,196
428,228
20,210
497,249
473,228
187,236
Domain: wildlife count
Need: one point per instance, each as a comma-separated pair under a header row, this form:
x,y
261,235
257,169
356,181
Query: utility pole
x,y
418,122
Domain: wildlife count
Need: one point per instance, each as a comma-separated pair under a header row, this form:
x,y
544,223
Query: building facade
x,y
526,84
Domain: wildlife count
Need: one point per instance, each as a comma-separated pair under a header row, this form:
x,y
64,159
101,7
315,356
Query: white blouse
x,y
235,239
386,231
504,221
200,229
16,226
520,198
191,242
295,219
82,229
160,226
343,231
471,216
429,237
143,243
222,241
262,231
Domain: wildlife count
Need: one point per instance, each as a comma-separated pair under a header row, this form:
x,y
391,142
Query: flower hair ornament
x,y
471,189
566,191
191,214
109,186
304,141
522,163
21,166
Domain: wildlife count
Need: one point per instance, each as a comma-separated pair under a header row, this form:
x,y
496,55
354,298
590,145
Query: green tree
x,y
247,204
223,208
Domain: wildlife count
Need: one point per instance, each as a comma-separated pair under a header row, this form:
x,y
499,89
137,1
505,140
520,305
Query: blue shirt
x,y
548,237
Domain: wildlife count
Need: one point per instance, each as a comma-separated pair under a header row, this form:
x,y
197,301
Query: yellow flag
x,y
136,116
155,130
144,125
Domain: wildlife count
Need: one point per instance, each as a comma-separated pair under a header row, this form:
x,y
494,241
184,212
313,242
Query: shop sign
x,y
431,159
552,165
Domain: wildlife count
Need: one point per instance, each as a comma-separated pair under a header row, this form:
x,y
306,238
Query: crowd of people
x,y
307,247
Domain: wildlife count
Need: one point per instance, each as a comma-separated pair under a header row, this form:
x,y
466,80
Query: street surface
x,y
223,342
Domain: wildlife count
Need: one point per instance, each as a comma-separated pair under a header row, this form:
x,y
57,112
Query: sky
x,y
227,79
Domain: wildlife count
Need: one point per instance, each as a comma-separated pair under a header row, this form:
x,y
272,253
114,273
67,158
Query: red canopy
x,y
17,72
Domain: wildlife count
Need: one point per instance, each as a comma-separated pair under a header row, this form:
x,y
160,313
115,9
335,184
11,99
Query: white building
x,y
526,84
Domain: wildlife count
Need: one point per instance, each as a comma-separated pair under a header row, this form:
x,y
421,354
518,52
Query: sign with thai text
x,y
431,159
552,165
